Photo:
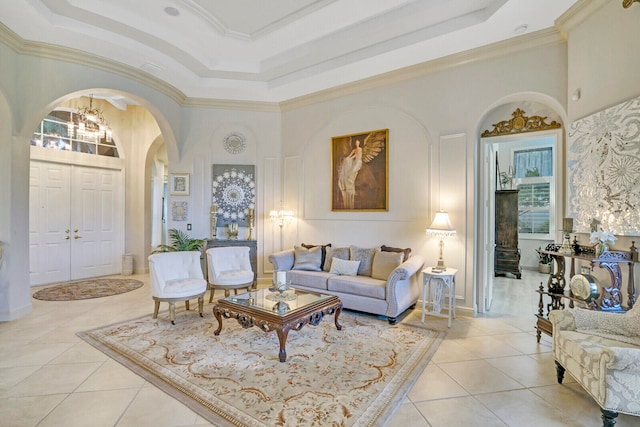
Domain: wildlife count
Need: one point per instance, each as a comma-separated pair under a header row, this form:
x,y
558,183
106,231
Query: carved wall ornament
x,y
235,143
520,124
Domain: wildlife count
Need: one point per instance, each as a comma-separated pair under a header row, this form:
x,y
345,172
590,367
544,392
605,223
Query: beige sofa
x,y
602,352
384,285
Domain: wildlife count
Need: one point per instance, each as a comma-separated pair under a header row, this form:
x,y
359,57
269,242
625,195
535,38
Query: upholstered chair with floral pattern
x,y
601,350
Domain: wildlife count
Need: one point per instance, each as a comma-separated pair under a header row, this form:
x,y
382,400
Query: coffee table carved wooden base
x,y
248,316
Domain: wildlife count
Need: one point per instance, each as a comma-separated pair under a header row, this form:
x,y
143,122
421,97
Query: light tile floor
x,y
489,371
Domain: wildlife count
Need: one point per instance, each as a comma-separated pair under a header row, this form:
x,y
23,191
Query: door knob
x,y
67,230
77,237
75,231
66,237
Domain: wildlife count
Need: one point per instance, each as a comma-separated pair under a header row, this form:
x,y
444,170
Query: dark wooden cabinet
x,y
507,254
253,255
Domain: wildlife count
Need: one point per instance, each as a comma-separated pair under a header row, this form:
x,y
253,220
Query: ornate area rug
x,y
354,377
86,289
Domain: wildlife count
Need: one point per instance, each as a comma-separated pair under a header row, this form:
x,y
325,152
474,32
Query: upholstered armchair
x,y
176,276
229,268
601,350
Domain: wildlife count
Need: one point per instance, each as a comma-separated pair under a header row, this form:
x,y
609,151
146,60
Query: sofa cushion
x,y
307,259
405,251
310,279
342,253
343,267
365,256
323,248
384,263
358,285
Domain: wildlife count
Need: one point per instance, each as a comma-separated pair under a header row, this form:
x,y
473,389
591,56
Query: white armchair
x,y
229,268
602,352
176,276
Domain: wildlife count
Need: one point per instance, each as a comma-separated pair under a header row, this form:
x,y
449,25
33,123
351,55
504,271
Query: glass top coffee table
x,y
280,312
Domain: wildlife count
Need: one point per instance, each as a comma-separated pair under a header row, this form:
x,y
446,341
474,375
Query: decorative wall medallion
x,y
603,166
520,124
235,143
179,211
233,192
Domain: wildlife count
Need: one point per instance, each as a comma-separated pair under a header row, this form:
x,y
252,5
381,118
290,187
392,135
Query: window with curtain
x,y
534,177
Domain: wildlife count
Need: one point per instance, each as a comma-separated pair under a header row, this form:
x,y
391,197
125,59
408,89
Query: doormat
x,y
87,289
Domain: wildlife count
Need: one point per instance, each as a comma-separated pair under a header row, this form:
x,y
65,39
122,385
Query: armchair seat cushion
x,y
358,285
234,277
178,288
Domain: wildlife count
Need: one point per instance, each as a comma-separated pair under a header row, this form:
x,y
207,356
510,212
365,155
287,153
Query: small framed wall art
x,y
179,184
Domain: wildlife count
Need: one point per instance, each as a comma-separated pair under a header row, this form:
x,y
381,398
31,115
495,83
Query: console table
x,y
611,296
253,254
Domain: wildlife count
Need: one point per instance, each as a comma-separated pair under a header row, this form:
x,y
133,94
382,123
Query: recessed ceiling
x,y
274,50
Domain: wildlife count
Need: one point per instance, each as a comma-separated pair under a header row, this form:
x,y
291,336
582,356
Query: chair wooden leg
x,y
172,312
201,304
227,293
608,418
156,309
559,372
211,294
186,305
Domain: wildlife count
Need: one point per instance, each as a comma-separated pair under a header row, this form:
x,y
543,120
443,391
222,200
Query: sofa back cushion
x,y
307,259
342,253
344,267
365,256
323,248
384,263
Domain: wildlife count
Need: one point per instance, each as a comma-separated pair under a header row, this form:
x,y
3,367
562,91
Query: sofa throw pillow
x,y
365,256
405,251
324,252
307,259
384,263
344,267
342,253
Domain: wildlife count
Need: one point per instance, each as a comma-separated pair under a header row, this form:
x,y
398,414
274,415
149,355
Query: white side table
x,y
443,281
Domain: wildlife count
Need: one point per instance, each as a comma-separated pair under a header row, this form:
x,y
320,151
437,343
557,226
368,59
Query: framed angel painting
x,y
360,172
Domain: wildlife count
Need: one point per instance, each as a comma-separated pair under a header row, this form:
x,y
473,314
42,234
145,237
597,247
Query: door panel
x,y
96,212
49,242
76,216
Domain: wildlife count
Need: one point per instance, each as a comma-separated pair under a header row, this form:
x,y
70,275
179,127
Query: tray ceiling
x,y
277,49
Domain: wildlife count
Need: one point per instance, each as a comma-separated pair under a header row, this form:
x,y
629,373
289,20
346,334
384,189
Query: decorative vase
x,y
544,268
601,248
232,231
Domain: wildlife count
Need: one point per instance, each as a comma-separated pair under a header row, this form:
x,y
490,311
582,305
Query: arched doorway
x,y
504,138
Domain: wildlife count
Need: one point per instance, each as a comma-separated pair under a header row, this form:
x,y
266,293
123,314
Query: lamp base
x,y
440,265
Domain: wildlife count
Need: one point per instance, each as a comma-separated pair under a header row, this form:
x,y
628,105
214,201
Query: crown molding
x,y
10,38
230,104
576,14
532,40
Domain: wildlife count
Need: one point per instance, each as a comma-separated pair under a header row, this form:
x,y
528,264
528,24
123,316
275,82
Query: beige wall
x,y
434,113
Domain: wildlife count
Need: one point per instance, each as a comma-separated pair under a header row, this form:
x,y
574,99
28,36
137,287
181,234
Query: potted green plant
x,y
544,261
180,241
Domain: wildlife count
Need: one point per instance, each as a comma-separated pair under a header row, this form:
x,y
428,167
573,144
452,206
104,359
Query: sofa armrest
x,y
406,269
402,286
562,320
283,260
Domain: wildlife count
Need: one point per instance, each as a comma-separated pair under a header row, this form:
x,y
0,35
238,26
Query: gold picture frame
x,y
360,172
179,184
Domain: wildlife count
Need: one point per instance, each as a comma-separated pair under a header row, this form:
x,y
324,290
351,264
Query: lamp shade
x,y
441,226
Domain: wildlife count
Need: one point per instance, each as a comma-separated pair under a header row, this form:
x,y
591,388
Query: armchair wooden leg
x,y
608,418
186,305
201,304
559,372
172,312
211,294
156,309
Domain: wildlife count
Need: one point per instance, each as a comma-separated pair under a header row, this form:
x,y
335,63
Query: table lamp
x,y
441,228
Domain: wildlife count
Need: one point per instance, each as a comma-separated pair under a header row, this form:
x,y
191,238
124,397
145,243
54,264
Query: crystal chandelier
x,y
90,124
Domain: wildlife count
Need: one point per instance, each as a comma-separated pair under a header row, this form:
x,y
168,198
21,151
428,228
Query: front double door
x,y
75,222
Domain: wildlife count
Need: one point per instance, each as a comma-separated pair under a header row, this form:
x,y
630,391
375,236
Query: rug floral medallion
x,y
354,377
